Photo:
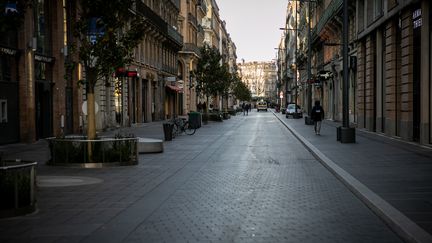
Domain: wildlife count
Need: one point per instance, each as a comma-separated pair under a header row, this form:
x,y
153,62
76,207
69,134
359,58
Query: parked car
x,y
262,105
291,111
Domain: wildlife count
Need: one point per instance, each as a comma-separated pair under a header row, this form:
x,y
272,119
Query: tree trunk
x,y
91,113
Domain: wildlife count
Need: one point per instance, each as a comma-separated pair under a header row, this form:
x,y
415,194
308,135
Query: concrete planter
x,y
17,188
74,151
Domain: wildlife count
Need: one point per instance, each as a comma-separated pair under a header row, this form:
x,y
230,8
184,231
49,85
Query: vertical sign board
x,y
417,19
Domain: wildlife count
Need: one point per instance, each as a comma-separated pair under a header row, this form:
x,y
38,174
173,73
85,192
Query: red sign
x,y
131,73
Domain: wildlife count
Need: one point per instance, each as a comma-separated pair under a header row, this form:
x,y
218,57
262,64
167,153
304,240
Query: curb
x,y
398,222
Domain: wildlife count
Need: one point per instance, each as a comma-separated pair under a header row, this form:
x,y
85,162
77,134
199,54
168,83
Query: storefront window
x,y
5,68
42,71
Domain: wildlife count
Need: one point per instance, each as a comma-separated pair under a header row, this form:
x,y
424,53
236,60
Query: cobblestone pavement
x,y
397,171
244,180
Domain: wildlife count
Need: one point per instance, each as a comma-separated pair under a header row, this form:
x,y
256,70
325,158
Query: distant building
x,y
261,78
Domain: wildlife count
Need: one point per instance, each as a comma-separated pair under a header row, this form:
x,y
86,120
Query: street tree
x,y
241,90
106,32
212,76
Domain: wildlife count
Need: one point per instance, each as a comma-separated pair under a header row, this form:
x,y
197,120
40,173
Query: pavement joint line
x,y
398,222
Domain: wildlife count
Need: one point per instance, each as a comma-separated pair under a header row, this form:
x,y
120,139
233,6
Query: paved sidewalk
x,y
399,172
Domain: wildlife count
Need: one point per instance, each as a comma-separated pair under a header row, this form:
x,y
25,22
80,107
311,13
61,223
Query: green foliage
x,y
74,151
213,77
241,91
15,184
118,31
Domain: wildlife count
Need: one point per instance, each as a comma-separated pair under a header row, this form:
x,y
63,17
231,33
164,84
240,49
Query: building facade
x,y
40,91
389,63
261,78
394,79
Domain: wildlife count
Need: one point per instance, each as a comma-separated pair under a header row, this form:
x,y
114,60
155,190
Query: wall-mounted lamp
x,y
64,50
33,44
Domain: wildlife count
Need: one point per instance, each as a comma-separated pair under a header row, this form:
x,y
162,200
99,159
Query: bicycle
x,y
181,125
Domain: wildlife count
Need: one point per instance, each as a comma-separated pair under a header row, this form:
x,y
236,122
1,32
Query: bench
x,y
150,145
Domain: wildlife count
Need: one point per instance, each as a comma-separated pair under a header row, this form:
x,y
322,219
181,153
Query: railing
x,y
75,151
174,35
153,17
191,47
329,12
17,188
176,3
192,19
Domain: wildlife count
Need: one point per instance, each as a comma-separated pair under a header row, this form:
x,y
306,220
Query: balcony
x,y
152,17
332,9
191,47
176,3
192,19
173,35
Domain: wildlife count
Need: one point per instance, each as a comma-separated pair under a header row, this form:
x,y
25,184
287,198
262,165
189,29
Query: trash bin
x,y
308,120
195,119
168,131
338,133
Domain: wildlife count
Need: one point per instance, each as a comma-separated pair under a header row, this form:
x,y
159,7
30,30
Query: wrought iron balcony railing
x,y
333,8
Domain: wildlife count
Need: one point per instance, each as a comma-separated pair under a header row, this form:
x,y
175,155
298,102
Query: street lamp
x,y
346,133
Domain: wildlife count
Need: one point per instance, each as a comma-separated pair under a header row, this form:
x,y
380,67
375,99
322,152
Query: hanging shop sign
x,y
41,58
8,51
122,72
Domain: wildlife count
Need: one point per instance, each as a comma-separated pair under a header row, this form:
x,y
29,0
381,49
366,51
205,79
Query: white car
x,y
291,111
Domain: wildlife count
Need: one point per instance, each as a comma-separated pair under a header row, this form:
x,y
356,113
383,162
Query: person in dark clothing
x,y
317,116
244,108
204,107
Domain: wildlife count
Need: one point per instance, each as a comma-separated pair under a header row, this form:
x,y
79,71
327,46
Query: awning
x,y
174,88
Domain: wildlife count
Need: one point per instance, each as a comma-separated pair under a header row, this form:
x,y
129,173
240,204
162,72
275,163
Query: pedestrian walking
x,y
204,107
199,107
247,109
244,108
317,116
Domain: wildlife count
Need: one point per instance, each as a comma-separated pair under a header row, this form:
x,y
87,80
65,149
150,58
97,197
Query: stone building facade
x,y
261,78
389,65
394,79
40,95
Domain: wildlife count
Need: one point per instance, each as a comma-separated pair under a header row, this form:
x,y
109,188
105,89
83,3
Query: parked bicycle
x,y
181,125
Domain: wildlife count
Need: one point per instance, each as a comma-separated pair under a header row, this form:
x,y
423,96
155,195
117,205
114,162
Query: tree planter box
x,y
74,151
17,188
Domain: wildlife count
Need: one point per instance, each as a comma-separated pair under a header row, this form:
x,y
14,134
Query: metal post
x,y
295,55
345,102
345,133
309,66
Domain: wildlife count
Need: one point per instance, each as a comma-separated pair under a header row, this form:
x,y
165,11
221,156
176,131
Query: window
x,y
378,8
3,111
5,69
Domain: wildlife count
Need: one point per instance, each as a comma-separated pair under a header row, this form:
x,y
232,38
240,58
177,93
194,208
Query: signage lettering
x,y
417,13
44,58
8,51
417,19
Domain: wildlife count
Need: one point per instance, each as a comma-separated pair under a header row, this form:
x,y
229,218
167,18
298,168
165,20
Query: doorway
x,y
43,109
416,83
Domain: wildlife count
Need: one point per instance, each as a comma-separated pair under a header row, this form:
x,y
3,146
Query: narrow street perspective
x,y
215,121
244,180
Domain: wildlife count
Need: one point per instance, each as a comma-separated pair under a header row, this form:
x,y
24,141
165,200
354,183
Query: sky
x,y
254,26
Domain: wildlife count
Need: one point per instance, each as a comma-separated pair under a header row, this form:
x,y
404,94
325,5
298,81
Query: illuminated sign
x,y
417,19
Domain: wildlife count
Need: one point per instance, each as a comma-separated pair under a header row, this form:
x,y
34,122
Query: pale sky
x,y
254,26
